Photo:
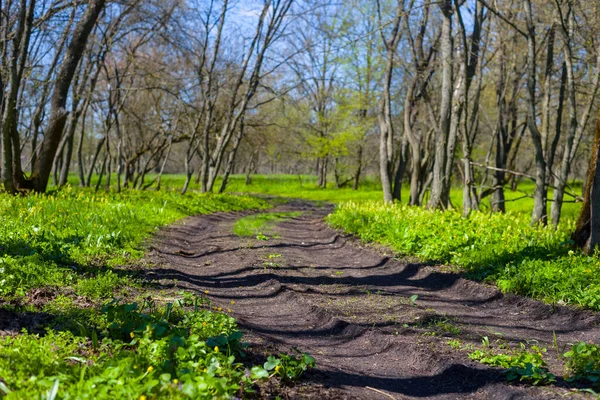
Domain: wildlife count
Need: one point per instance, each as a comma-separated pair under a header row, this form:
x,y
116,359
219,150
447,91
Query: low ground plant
x,y
139,350
525,363
583,363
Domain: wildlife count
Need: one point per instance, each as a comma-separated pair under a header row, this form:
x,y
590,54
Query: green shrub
x,y
583,363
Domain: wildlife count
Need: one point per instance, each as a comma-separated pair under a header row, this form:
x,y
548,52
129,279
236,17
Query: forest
x,y
282,199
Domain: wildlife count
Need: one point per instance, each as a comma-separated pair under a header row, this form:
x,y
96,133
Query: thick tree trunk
x,y
587,232
58,113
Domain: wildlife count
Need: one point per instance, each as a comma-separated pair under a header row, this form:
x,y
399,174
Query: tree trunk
x,y
358,169
587,231
67,153
88,180
58,113
164,164
440,181
539,214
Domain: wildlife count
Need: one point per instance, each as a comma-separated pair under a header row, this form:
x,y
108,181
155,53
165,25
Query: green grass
x,y
305,187
72,245
261,225
73,237
139,351
502,248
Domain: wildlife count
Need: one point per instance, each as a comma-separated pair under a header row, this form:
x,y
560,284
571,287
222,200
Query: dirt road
x,y
350,306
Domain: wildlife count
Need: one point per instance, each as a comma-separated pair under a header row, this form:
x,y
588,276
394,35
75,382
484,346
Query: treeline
x,y
476,93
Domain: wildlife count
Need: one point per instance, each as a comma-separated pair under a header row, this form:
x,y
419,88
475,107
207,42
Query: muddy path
x,y
349,305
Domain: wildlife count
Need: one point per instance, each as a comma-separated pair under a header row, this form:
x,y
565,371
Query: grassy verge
x,y
72,237
61,259
262,225
178,351
531,261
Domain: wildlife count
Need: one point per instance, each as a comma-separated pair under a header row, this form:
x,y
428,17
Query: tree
x,y
587,231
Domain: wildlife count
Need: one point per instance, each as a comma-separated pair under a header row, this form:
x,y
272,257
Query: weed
x,y
524,364
583,363
287,367
271,264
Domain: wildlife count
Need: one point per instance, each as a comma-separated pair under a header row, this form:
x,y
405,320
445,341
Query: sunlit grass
x,y
262,224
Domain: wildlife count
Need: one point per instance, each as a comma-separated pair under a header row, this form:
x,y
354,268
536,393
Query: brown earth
x,y
349,306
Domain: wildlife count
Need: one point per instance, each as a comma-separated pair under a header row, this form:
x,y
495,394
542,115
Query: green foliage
x,y
287,367
261,225
503,248
523,364
583,363
67,237
142,350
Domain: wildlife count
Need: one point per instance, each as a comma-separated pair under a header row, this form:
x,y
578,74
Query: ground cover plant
x,y
176,350
525,363
73,243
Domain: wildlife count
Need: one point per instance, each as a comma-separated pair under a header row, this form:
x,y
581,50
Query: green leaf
x,y
271,363
258,372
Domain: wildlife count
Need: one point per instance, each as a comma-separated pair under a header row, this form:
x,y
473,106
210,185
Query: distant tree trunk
x,y
443,144
322,165
251,167
539,214
231,159
386,127
400,169
101,175
587,231
88,179
80,165
67,153
358,170
164,163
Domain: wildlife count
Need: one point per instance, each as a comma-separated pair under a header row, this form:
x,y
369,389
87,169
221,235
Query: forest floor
x,y
353,307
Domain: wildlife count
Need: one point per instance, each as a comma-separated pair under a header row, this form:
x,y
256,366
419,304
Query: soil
x,y
349,305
